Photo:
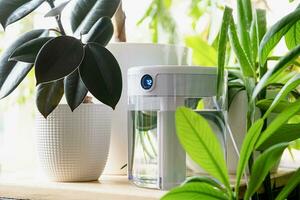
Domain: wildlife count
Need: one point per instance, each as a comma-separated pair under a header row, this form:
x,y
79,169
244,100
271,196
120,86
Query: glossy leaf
x,y
247,149
261,167
11,72
292,37
58,58
85,13
244,61
254,39
101,74
280,120
261,20
48,96
75,90
290,186
101,32
201,143
28,51
14,10
244,19
272,73
195,191
222,49
285,133
204,179
275,33
286,89
57,10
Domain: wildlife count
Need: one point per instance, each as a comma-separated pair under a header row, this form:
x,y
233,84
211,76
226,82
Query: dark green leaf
x,y
58,58
75,90
276,70
246,150
201,143
101,74
275,33
285,133
28,51
289,187
57,10
262,166
14,10
101,32
48,96
292,37
195,191
11,72
265,104
222,49
85,13
244,61
280,120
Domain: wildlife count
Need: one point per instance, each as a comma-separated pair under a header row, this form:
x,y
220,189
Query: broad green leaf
x,y
48,96
285,133
280,120
261,167
75,90
201,143
265,104
85,13
272,73
58,58
247,149
101,32
275,33
244,61
244,22
14,10
287,88
28,51
222,49
11,72
292,37
203,53
290,186
57,10
101,74
204,179
195,191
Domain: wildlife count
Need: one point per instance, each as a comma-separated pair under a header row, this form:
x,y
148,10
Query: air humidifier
x,y
156,158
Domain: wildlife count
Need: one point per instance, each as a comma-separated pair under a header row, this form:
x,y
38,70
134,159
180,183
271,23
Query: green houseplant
x,y
251,44
70,64
63,64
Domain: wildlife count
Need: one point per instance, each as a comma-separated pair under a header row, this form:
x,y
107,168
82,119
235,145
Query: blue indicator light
x,y
147,82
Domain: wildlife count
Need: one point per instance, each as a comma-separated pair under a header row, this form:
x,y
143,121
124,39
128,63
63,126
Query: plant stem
x,y
58,18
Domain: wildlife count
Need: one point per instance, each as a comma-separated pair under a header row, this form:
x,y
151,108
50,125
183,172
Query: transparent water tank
x,y
156,158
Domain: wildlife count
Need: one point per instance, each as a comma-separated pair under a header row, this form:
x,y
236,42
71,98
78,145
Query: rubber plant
x,y
251,44
63,63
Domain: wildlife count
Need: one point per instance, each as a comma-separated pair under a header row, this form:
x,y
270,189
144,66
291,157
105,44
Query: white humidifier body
x,y
156,158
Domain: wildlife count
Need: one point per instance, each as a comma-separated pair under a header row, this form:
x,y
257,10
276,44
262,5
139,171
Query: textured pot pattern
x,y
73,146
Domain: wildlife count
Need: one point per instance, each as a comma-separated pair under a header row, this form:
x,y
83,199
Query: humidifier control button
x,y
147,82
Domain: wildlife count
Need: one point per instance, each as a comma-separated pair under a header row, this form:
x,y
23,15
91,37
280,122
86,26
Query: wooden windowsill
x,y
109,187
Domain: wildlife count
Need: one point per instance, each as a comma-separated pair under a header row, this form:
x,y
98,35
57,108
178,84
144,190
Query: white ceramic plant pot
x,y
129,55
73,146
237,116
